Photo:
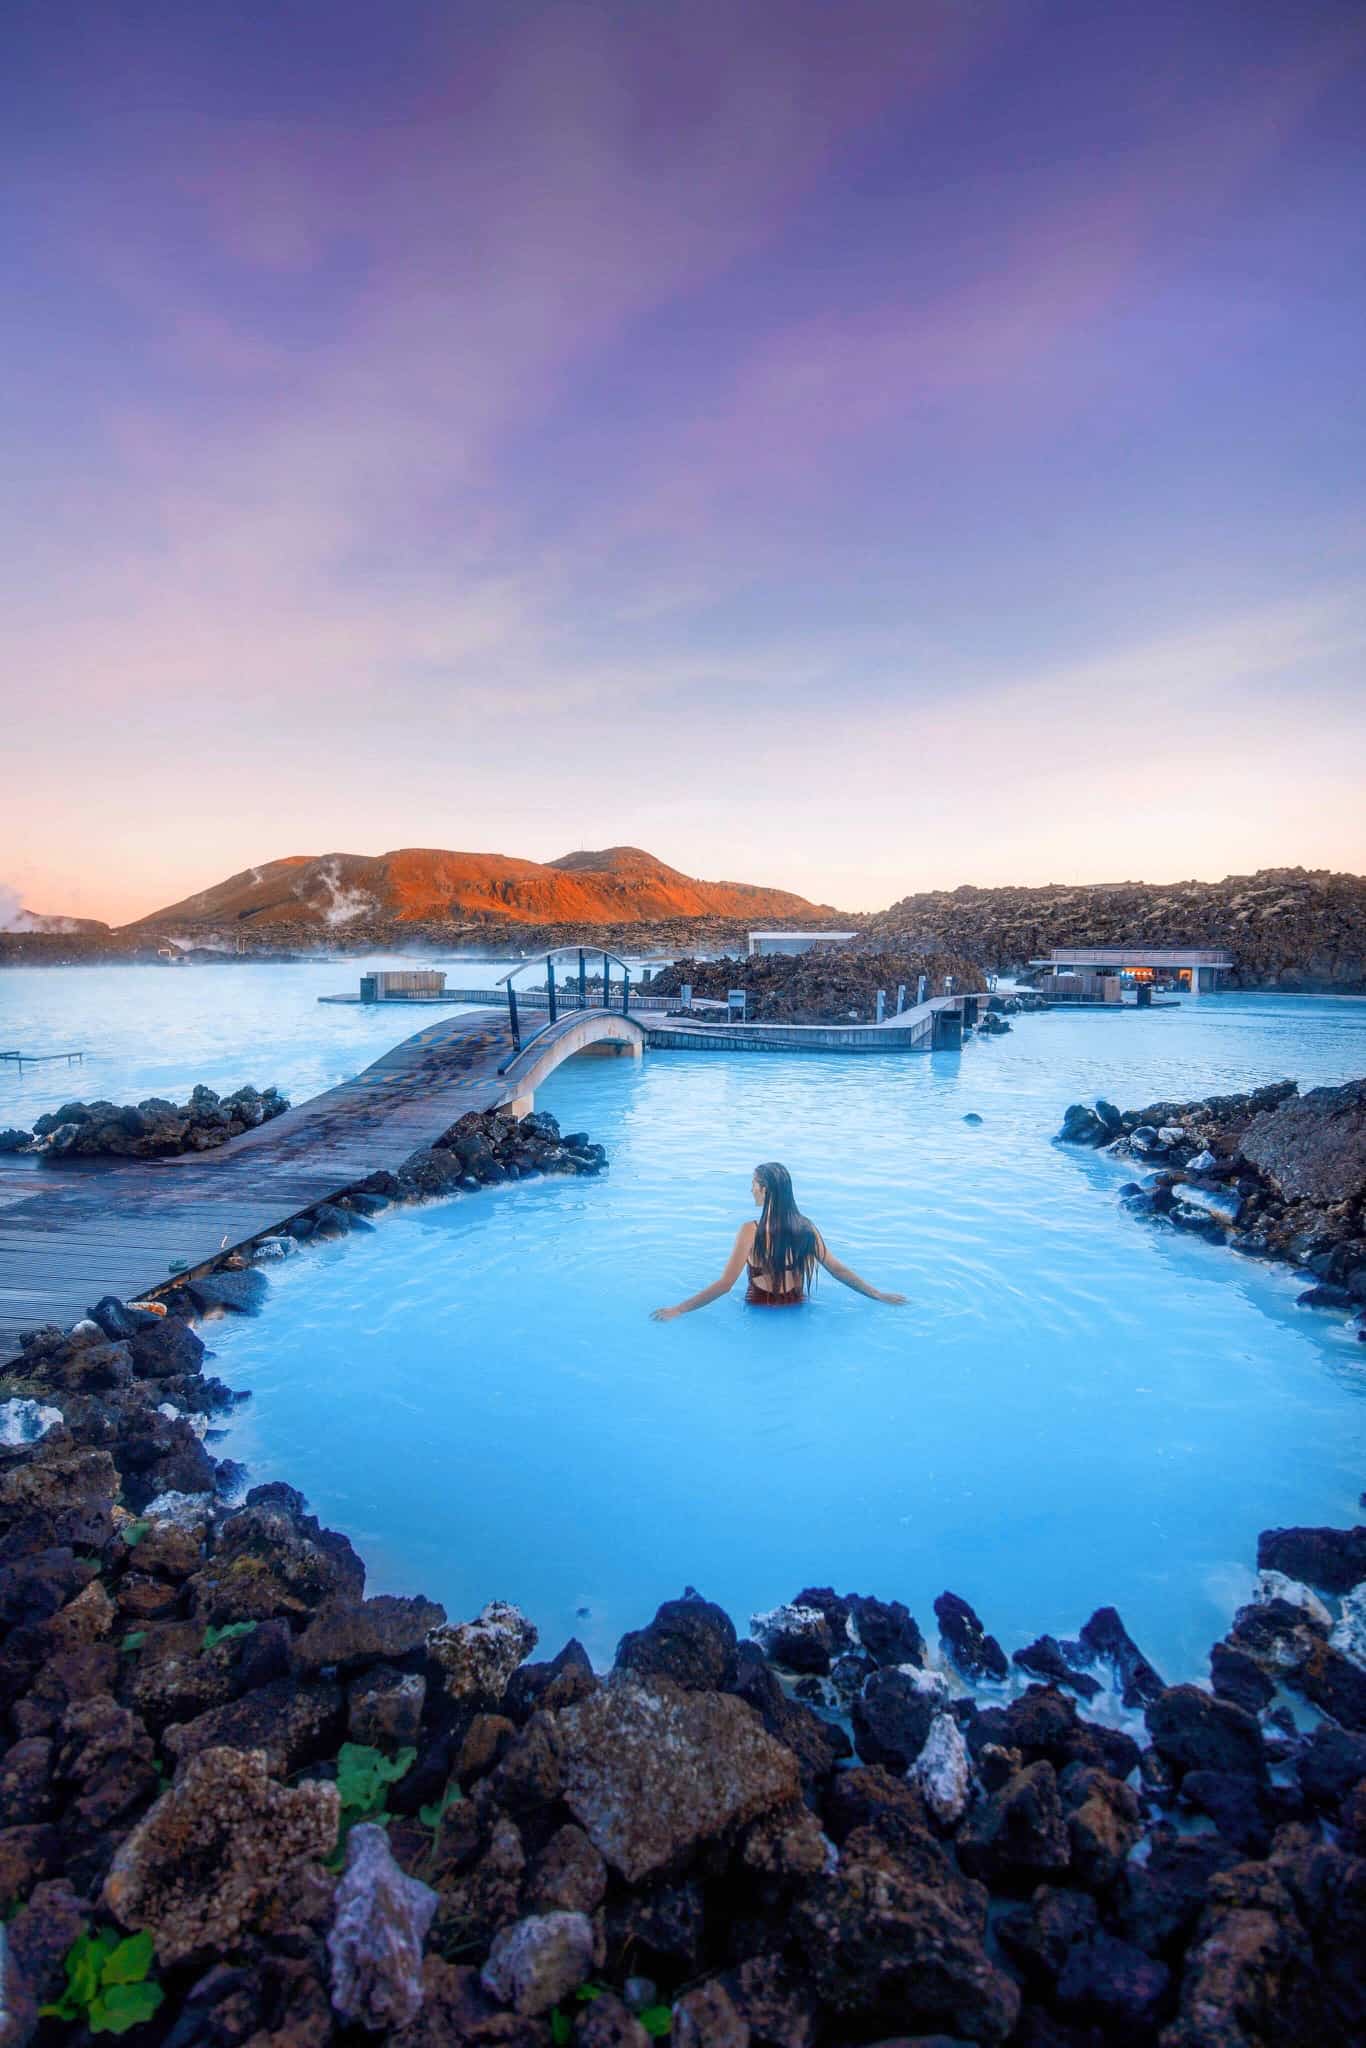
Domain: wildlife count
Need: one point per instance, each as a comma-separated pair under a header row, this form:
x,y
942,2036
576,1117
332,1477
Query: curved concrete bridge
x,y
71,1233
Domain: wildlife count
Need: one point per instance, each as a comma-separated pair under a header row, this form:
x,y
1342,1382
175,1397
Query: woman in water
x,y
780,1253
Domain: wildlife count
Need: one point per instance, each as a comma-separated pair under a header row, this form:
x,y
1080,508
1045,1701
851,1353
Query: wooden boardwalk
x,y
912,1030
70,1233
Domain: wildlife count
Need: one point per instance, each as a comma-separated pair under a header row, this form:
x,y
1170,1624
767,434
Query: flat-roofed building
x,y
795,942
1196,968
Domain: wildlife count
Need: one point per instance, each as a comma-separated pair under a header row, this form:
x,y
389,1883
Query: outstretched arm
x,y
735,1266
849,1278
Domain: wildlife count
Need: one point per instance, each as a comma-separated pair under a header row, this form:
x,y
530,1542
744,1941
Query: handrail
x,y
552,954
525,1045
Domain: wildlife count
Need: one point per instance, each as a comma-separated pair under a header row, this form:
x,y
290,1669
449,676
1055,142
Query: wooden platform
x,y
72,1232
75,1230
912,1030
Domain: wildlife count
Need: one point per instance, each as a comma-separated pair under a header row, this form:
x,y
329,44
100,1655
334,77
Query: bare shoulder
x,y
747,1232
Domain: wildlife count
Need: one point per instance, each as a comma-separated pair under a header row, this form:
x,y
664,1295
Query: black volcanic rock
x,y
690,1641
1288,928
1334,1560
976,1654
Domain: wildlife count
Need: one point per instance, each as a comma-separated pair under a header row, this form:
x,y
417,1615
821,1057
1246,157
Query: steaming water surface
x,y
1074,1409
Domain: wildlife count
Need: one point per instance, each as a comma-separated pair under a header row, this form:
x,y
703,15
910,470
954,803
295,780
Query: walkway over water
x,y
77,1230
70,1233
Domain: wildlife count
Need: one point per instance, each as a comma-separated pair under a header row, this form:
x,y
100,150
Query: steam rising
x,y
346,904
14,918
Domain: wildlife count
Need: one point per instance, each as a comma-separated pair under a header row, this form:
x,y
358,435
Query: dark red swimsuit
x,y
759,1297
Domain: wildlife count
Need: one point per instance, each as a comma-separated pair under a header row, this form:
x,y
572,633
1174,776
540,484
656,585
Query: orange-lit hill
x,y
418,885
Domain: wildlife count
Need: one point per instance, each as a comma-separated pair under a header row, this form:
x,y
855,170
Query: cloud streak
x,y
681,394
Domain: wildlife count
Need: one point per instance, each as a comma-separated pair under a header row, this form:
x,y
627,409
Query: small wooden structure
x,y
403,985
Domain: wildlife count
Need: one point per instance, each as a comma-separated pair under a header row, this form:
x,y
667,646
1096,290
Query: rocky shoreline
x,y
1272,1174
285,1813
244,1805
152,1129
1290,929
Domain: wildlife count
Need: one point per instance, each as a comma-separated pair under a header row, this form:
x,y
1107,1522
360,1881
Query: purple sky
x,y
857,447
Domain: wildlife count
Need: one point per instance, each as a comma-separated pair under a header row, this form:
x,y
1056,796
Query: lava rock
x,y
241,1292
818,1745
976,1654
1237,1804
836,1610
567,1876
1330,1765
272,1558
1312,1147
119,1322
348,1634
1110,1984
477,1658
651,1770
1081,1125
888,1953
798,1638
690,1642
1104,1822
1252,1961
892,1719
1238,1678
384,1708
559,1682
1038,1938
1159,1900
1018,1836
288,1723
1334,1560
1277,1635
214,1850
375,1941
1044,1658
165,1347
1191,1731
886,1630
705,2017
943,1771
1105,1637
1336,1685
538,1961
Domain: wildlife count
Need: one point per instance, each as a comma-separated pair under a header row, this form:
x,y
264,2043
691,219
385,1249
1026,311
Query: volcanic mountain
x,y
423,886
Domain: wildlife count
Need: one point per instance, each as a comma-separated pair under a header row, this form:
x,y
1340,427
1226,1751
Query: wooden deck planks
x,y
69,1234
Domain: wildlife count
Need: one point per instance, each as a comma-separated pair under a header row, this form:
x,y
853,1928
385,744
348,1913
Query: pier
x,y
69,1234
932,1026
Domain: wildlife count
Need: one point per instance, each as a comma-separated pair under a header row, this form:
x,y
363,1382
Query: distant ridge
x,y
424,885
1298,929
1301,929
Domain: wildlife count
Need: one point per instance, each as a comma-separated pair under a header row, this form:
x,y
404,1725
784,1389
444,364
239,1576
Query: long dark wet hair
x,y
785,1241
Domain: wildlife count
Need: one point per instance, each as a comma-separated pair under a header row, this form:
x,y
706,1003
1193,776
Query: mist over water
x,y
159,1030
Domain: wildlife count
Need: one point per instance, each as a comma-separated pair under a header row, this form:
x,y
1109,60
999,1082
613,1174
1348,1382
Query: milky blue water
x,y
1072,1410
159,1030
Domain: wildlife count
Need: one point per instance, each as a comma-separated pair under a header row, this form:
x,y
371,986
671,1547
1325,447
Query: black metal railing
x,y
579,998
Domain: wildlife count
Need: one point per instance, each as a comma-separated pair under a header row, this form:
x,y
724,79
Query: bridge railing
x,y
579,996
